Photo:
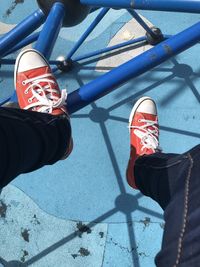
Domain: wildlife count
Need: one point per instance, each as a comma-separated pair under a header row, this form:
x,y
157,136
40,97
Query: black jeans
x,y
30,140
174,182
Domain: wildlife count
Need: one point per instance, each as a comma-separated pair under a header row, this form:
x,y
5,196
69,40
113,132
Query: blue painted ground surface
x,y
45,209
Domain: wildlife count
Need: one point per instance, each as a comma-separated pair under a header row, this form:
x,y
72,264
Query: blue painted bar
x,y
133,68
28,40
7,61
50,31
103,50
23,29
10,61
110,48
141,22
189,6
109,3
87,32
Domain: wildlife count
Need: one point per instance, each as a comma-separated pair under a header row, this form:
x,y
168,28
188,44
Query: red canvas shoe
x,y
36,87
144,134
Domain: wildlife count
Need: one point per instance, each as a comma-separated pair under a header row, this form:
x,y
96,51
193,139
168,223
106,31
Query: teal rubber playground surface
x,y
80,212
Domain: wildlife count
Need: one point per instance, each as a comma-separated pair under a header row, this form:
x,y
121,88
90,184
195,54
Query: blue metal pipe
x,y
22,30
87,32
114,47
7,61
190,6
50,31
28,40
105,50
142,23
10,61
110,48
133,68
109,3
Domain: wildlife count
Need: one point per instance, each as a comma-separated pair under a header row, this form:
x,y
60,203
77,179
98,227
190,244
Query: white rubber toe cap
x,y
30,59
147,105
144,105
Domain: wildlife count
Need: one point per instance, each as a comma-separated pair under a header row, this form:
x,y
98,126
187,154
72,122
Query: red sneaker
x,y
36,86
144,134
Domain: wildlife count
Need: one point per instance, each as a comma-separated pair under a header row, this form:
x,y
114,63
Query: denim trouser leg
x,y
30,140
174,182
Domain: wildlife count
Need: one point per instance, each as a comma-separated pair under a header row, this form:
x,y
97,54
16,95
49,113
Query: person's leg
x,y
180,246
144,134
41,134
173,181
30,140
147,168
154,175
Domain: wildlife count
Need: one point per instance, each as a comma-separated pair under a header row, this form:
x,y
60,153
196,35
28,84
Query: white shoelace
x,y
149,137
44,94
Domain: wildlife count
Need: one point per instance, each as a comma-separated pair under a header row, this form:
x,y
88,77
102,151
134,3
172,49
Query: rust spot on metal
x,y
168,49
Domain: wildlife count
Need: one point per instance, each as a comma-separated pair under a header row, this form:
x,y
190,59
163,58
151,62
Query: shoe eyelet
x,y
23,83
25,92
29,100
139,120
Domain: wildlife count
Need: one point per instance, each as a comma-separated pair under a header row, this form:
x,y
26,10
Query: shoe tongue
x,y
34,73
148,116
